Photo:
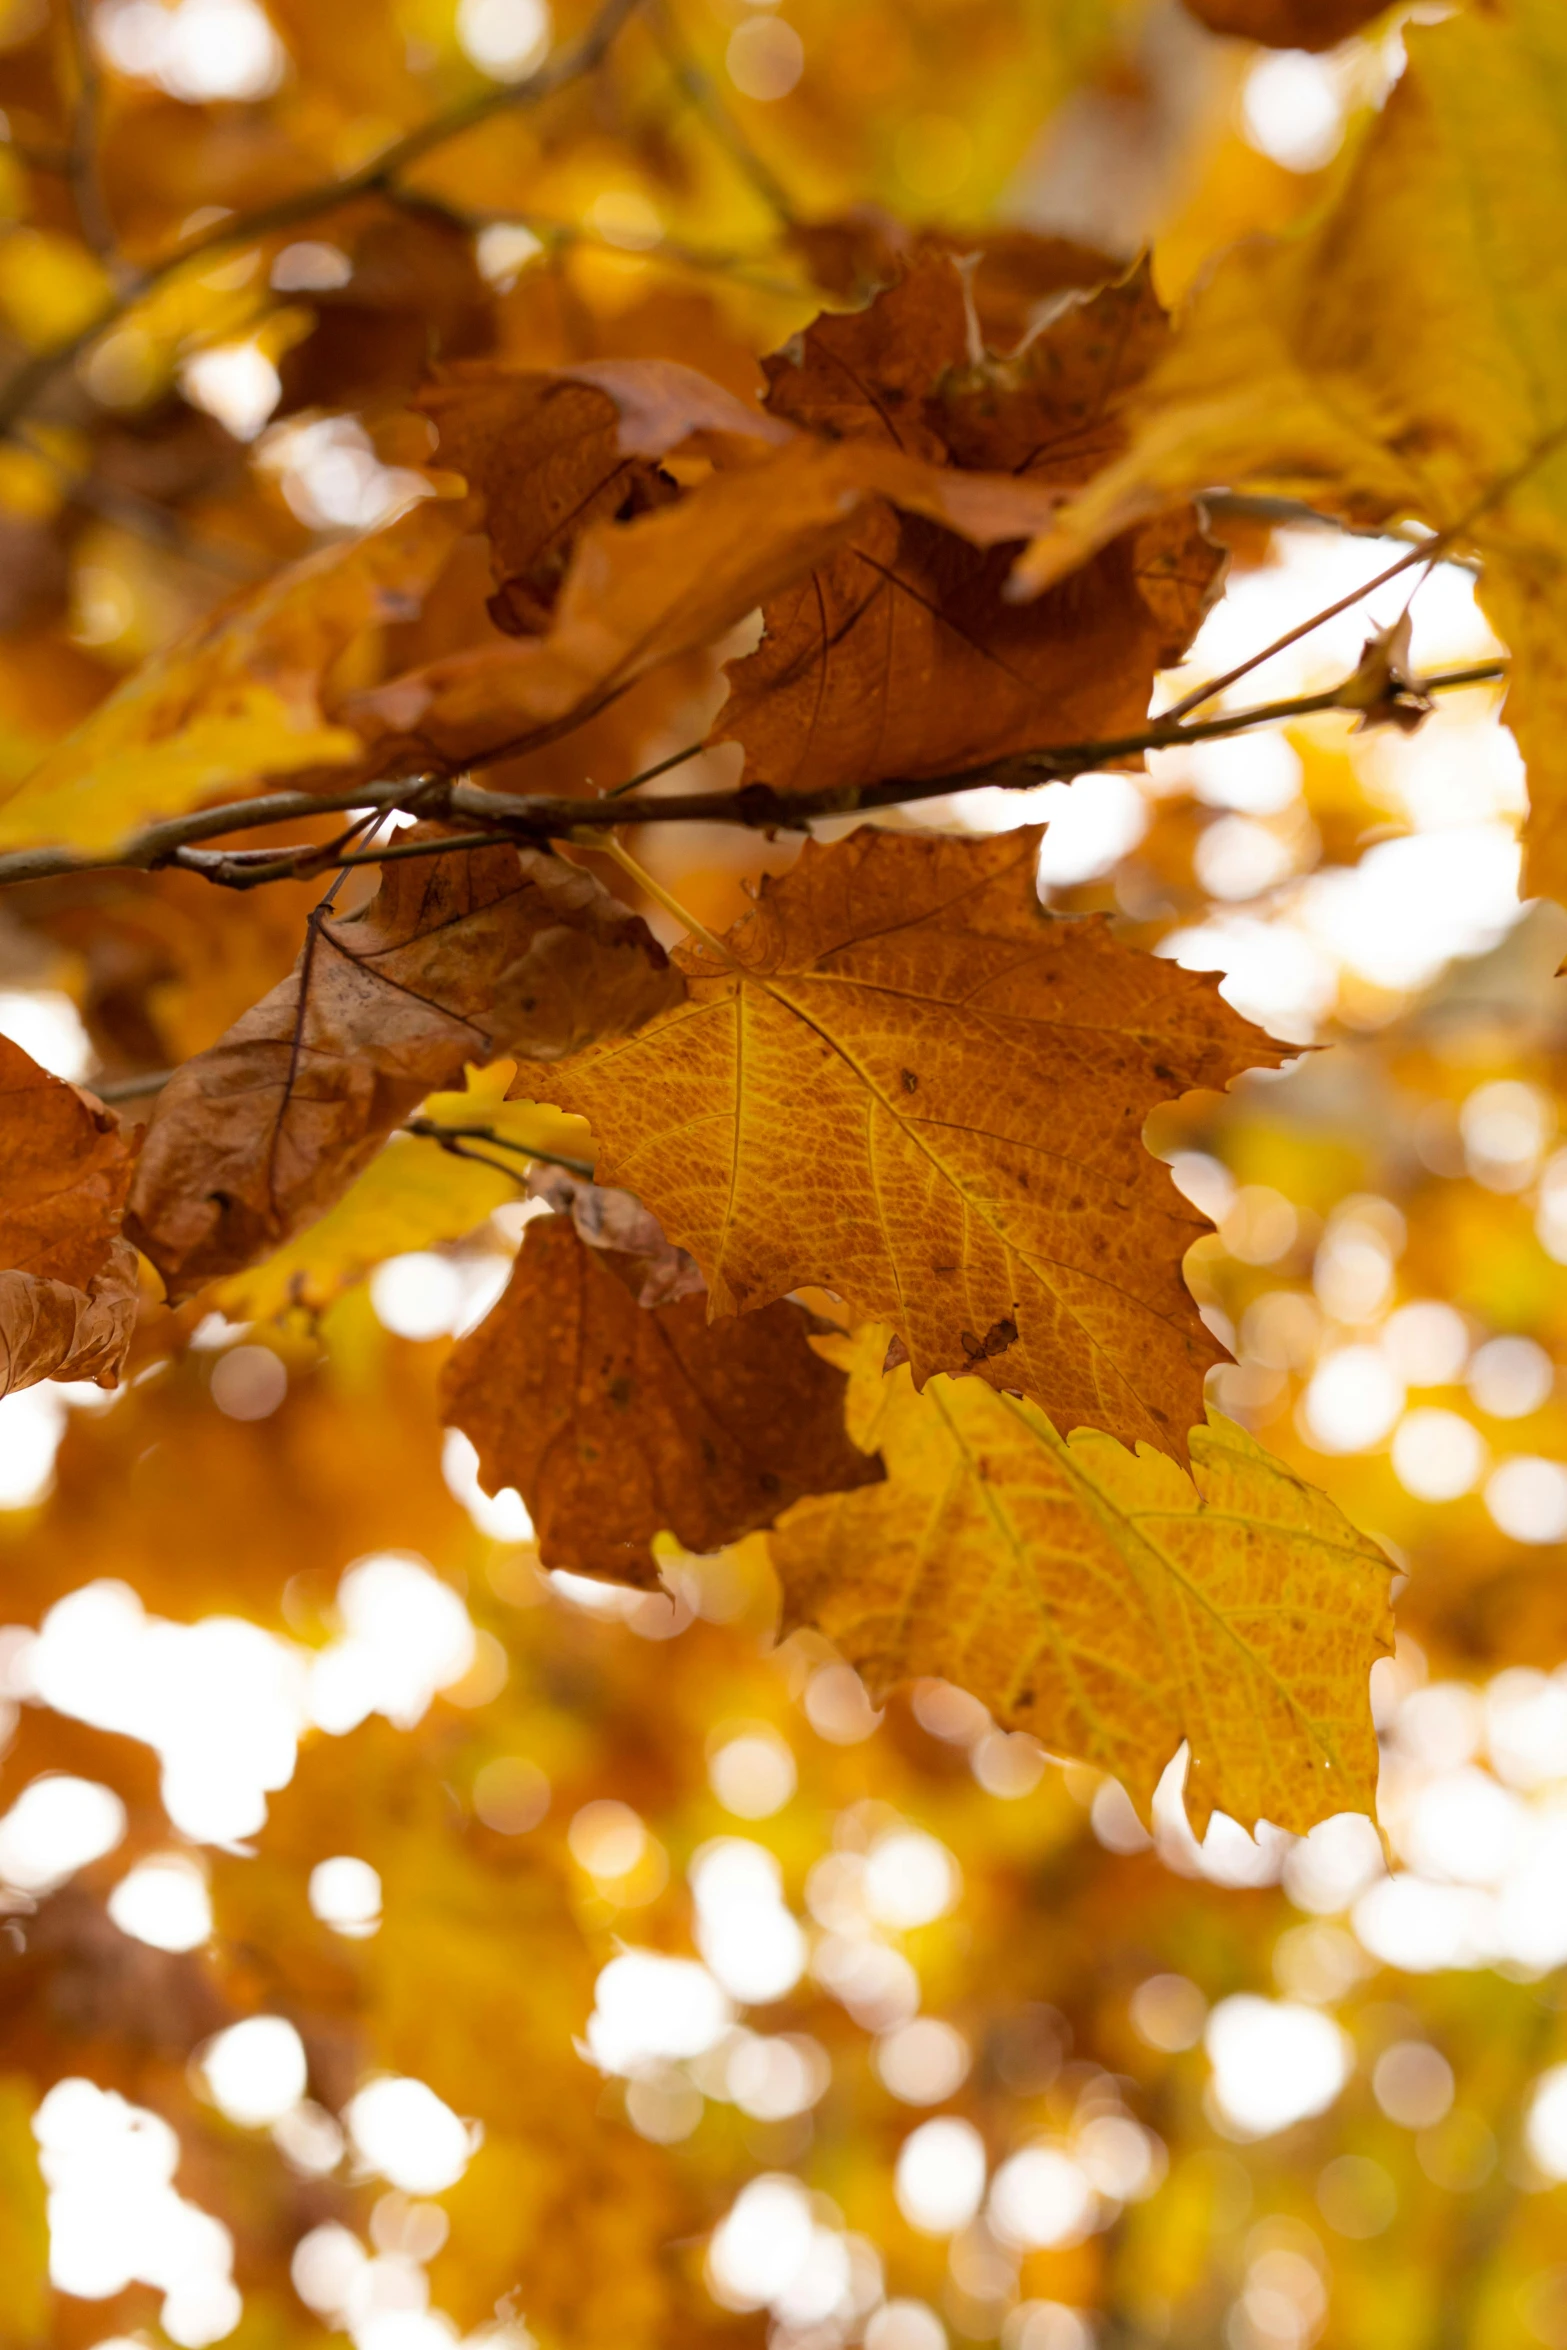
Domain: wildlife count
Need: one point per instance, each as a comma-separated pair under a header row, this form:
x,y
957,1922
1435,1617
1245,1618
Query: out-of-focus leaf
x,y
1103,1600
235,703
1402,359
456,958
203,1513
618,1421
903,1081
67,1280
24,2227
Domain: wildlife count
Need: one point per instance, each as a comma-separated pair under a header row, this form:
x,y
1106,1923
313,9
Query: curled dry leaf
x,y
67,1279
904,1081
617,1421
656,1272
457,958
236,702
900,653
1102,1600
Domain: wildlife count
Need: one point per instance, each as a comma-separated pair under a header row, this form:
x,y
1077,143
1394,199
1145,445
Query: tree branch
x,y
371,178
757,807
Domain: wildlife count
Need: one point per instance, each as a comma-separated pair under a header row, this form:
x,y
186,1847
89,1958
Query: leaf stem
x,y
610,847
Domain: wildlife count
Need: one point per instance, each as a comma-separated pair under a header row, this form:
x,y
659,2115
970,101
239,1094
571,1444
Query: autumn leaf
x,y
1104,1601
1401,360
234,703
24,2224
201,1513
666,583
457,958
550,454
68,1284
902,1080
617,1420
900,655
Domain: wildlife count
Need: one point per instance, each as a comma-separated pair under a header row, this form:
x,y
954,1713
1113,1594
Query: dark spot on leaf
x,y
911,1083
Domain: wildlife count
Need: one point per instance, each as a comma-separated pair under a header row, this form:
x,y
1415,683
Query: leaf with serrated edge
x,y
905,1082
1103,1600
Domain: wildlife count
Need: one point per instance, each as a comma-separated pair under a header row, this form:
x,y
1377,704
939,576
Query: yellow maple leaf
x,y
233,703
1102,1599
902,1080
1404,359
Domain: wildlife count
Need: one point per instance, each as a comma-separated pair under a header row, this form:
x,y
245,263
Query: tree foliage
x,y
656,658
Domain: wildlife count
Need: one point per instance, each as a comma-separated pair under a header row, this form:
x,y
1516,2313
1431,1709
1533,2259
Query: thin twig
x,y
1423,553
559,236
755,807
702,94
660,767
1428,551
371,178
131,1089
84,163
451,1138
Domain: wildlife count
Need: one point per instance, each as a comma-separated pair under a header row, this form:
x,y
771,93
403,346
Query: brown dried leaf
x,y
648,591
617,1421
551,453
904,1081
457,959
899,654
67,1279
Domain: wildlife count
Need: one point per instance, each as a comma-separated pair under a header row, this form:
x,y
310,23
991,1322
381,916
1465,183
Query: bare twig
x,y
83,162
755,807
452,1138
371,178
131,1089
1427,551
702,95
